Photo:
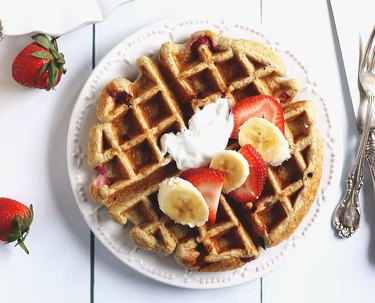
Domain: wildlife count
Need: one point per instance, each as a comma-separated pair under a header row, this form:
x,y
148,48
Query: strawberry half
x,y
209,182
261,106
253,186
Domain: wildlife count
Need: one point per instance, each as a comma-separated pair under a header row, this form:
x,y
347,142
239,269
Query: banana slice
x,y
266,138
182,202
235,167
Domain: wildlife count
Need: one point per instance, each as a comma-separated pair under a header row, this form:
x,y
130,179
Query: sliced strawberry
x,y
253,186
261,106
209,182
101,169
194,44
103,178
121,97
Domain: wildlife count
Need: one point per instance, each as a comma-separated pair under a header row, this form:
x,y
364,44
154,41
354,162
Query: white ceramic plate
x,y
63,17
120,61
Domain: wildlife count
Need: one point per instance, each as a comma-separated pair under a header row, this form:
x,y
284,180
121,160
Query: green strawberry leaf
x,y
43,69
29,218
53,72
61,59
8,236
54,53
42,55
17,223
42,40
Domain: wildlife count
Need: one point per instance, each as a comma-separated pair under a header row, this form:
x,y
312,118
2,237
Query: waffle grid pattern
x,y
234,68
127,141
287,184
125,144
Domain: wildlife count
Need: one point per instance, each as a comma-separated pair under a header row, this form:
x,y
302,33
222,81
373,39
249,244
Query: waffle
x,y
291,187
226,67
125,143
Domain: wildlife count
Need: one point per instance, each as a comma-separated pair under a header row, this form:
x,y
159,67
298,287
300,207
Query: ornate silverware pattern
x,y
347,215
370,155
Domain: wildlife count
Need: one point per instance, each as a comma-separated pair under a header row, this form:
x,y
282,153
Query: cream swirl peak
x,y
208,133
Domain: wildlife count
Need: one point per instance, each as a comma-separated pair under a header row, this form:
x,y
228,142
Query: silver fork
x,y
347,214
1,31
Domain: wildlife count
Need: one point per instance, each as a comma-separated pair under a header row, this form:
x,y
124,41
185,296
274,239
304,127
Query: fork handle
x,y
370,155
347,215
1,31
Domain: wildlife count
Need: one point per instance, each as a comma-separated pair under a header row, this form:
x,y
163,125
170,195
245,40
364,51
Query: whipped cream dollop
x,y
208,133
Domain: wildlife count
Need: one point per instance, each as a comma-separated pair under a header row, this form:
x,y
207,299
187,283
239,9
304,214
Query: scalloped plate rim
x,y
198,280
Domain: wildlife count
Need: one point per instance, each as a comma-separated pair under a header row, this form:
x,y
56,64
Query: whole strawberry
x,y
15,221
39,64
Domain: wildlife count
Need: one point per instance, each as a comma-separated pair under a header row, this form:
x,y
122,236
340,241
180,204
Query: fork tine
x,y
1,31
372,54
365,60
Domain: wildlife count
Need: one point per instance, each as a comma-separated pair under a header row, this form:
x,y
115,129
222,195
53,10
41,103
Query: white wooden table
x,y
67,264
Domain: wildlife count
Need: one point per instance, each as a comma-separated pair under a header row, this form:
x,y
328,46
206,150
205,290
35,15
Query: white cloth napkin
x,y
62,17
353,39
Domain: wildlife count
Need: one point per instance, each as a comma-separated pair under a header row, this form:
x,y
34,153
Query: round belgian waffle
x,y
134,115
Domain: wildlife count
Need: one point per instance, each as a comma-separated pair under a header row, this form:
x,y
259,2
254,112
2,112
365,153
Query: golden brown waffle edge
x,y
134,115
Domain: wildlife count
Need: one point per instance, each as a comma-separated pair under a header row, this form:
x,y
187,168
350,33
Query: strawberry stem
x,y
22,245
54,42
